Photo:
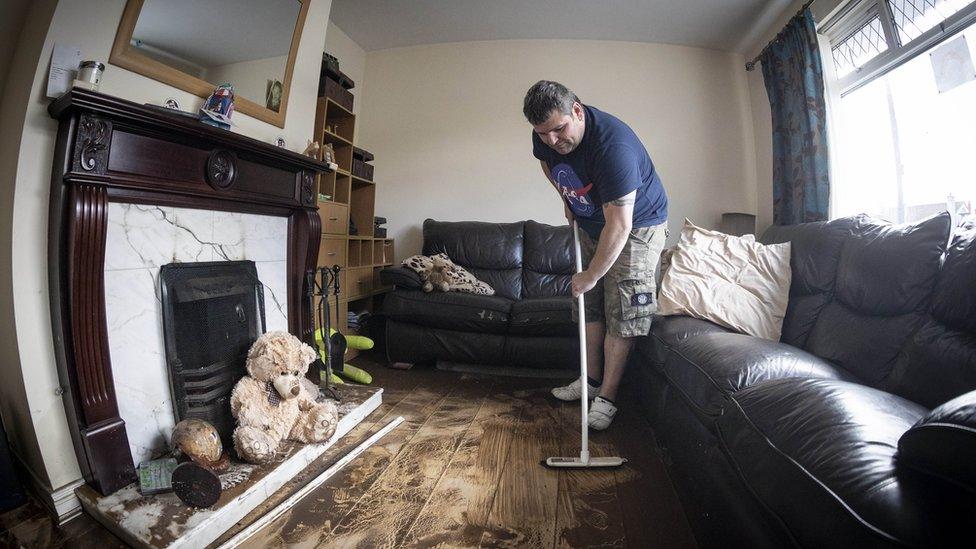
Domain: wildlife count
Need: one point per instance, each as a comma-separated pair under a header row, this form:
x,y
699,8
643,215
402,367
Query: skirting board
x,y
66,502
505,371
164,521
62,504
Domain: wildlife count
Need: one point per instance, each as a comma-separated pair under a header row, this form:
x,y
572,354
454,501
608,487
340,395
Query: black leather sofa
x,y
828,438
526,324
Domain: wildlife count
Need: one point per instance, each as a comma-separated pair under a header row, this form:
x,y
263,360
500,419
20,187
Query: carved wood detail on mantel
x,y
112,150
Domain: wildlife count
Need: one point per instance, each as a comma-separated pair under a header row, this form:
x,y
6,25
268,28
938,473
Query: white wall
x,y
352,61
29,396
15,407
14,12
445,123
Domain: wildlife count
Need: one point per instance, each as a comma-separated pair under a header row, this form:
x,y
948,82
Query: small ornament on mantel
x,y
219,107
312,149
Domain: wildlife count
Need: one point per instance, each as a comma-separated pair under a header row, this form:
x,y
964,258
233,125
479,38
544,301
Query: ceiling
x,y
713,24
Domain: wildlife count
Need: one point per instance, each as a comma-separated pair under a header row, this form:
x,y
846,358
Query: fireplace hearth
x,y
212,314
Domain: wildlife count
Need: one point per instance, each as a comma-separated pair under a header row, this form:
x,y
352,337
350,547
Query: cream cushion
x,y
732,281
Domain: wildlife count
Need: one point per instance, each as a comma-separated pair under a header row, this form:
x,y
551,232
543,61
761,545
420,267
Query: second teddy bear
x,y
449,276
437,277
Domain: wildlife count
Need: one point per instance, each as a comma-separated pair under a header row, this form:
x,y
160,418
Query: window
x,y
913,17
901,136
858,48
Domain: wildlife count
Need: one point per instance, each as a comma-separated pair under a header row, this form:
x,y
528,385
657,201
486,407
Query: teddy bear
x,y
276,402
437,276
449,276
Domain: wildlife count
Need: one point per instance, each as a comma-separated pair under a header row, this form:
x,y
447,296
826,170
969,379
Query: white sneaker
x,y
601,414
574,390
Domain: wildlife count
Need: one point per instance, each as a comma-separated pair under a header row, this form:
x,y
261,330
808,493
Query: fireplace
x,y
212,313
109,153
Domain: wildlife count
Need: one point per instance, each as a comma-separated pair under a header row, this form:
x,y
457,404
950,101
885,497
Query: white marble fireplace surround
x,y
140,240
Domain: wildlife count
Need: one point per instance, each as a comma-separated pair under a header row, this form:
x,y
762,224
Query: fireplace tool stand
x,y
318,282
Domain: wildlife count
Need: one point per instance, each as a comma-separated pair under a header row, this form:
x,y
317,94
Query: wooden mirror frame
x,y
125,56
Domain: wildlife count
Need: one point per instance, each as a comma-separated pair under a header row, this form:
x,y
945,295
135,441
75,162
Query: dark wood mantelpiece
x,y
112,150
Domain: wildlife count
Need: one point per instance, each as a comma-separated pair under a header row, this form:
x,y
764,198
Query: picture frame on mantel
x,y
127,56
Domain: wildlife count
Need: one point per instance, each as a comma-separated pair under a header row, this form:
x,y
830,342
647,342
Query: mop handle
x,y
584,383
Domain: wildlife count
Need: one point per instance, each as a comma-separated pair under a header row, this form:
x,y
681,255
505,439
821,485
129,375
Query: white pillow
x,y
732,281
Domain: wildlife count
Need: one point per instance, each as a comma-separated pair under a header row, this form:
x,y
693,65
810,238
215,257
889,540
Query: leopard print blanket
x,y
459,279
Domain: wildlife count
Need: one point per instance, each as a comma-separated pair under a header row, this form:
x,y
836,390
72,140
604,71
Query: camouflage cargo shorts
x,y
626,297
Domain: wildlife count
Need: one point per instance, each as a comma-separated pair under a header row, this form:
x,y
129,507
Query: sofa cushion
x,y
547,264
490,251
865,344
954,299
409,342
546,316
884,282
669,331
890,270
943,443
707,368
814,257
939,362
401,277
820,454
732,281
451,310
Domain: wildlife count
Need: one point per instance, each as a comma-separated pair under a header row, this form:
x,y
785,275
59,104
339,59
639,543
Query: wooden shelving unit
x,y
344,197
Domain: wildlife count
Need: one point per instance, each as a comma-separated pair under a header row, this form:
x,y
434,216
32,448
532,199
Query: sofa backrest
x,y
490,251
938,363
547,263
814,257
885,278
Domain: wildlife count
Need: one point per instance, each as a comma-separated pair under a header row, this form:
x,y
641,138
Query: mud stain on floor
x,y
464,470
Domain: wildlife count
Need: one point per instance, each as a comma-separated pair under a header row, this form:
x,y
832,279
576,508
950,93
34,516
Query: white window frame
x,y
851,15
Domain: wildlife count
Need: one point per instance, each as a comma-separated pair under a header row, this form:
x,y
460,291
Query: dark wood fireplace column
x,y
112,150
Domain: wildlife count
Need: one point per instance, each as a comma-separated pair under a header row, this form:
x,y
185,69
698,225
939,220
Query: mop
x,y
584,460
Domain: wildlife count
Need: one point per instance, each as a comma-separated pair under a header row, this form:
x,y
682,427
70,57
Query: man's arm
x,y
566,210
619,215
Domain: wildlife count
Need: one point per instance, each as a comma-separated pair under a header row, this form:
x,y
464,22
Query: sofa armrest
x,y
401,277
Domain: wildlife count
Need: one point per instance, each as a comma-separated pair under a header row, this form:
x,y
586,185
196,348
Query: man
x,y
609,185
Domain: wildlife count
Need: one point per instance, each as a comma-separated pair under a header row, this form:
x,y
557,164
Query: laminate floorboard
x,y
462,470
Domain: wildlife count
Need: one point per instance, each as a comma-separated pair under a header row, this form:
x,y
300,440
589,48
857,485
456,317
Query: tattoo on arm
x,y
624,201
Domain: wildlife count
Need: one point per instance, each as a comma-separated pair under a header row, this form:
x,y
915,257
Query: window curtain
x,y
793,73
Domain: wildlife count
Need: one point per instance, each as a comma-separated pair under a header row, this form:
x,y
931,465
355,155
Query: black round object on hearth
x,y
195,485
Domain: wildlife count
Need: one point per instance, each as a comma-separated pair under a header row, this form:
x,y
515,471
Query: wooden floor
x,y
461,471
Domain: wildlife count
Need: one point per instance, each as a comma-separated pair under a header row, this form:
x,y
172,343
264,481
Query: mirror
x,y
196,45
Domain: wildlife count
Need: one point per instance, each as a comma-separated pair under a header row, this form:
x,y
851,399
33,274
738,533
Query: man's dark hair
x,y
544,97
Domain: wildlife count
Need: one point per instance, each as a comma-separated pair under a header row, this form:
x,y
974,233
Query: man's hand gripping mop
x,y
584,460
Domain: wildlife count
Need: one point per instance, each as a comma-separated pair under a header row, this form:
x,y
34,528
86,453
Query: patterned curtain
x,y
793,73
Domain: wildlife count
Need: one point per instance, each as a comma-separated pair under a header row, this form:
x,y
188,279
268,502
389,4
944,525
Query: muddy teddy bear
x,y
276,402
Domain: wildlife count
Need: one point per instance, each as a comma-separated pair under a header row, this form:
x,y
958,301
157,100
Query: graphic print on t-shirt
x,y
573,190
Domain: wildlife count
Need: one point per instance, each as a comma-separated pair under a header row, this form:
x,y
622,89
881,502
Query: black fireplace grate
x,y
212,314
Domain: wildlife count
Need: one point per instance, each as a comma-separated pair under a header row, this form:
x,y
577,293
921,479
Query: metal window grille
x,y
913,17
869,38
861,46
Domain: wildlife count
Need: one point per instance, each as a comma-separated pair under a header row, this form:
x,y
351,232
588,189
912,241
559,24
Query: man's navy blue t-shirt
x,y
610,162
